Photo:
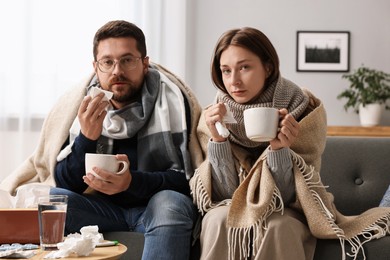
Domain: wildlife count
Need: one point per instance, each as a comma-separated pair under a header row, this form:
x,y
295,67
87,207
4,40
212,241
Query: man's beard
x,y
132,90
131,94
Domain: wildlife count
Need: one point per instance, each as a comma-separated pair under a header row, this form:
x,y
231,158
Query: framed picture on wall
x,y
323,51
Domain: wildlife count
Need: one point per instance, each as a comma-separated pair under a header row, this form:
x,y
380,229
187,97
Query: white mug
x,y
261,123
107,162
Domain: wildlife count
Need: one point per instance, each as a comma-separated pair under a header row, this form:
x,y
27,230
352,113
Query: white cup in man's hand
x,y
261,123
106,162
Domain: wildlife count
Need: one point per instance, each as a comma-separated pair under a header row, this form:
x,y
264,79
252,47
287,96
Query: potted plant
x,y
368,91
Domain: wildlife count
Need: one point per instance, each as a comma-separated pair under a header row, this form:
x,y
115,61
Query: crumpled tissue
x,y
80,244
228,118
94,91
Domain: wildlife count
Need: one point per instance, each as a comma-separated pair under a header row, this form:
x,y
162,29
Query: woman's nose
x,y
235,78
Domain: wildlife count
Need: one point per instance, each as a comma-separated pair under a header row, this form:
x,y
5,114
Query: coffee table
x,y
99,253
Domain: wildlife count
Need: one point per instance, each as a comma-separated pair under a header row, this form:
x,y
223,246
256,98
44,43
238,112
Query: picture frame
x,y
323,51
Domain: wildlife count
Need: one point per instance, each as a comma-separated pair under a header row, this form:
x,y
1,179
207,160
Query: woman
x,y
228,186
260,198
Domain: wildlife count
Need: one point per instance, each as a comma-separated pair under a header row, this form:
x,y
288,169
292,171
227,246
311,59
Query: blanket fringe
x,y
377,230
200,196
247,238
308,173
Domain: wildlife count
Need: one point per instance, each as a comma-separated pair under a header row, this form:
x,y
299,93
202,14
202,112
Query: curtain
x,y
46,47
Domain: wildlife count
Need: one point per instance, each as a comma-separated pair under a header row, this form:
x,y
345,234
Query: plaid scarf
x,y
157,118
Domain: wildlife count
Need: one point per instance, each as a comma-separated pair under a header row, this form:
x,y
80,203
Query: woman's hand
x,y
213,114
111,183
289,129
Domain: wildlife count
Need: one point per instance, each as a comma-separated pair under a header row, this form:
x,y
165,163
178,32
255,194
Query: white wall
x,y
368,22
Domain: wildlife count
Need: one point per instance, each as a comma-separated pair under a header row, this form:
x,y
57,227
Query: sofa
x,y
357,171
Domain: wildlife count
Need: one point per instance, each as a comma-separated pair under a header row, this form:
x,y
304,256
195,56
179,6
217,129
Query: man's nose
x,y
117,68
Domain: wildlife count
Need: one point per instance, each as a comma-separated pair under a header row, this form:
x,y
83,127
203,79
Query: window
x,y
46,47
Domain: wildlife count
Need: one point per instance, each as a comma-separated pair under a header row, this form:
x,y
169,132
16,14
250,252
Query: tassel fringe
x,y
200,196
240,238
377,230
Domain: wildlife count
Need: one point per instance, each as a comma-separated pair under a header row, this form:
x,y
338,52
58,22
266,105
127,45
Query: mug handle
x,y
124,168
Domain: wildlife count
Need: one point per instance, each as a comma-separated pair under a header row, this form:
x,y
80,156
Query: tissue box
x,y
19,226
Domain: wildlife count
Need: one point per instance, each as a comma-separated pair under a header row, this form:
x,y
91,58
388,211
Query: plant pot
x,y
370,114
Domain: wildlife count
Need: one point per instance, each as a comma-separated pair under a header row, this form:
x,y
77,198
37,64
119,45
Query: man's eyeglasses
x,y
107,65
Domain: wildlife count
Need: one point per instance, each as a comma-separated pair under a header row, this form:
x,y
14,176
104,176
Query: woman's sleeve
x,y
224,176
280,165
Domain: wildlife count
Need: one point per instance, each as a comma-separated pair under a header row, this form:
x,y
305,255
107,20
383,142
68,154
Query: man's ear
x,y
95,68
145,64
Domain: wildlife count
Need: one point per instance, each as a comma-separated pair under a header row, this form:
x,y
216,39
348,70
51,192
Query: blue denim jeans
x,y
166,221
385,202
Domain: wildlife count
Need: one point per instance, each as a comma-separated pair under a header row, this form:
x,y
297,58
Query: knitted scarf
x,y
282,93
257,196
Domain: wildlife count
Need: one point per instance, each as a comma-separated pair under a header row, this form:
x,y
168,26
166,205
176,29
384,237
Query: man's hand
x,y
91,115
111,183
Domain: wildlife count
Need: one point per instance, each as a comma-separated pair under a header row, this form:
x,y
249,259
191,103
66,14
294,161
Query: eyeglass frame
x,y
136,59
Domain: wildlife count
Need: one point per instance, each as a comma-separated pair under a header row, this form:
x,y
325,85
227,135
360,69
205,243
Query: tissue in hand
x,y
228,118
80,244
94,91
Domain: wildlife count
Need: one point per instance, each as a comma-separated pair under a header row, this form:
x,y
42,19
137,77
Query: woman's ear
x,y
268,69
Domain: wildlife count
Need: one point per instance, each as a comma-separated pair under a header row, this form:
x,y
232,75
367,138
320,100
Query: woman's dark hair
x,y
252,40
117,29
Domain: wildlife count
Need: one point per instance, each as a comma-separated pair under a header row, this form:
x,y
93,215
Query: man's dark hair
x,y
119,29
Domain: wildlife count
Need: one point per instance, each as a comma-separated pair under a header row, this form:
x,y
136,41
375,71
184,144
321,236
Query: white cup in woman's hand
x,y
261,123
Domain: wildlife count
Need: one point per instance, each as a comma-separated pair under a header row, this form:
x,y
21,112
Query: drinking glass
x,y
51,216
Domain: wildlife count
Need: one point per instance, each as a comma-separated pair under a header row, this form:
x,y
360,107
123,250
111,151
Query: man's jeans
x,y
166,221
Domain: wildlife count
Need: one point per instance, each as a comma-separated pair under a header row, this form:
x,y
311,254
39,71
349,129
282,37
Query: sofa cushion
x,y
357,171
327,249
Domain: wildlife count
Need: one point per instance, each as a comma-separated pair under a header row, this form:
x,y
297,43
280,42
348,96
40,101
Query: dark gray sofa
x,y
357,171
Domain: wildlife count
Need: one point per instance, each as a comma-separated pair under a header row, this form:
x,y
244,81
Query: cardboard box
x,y
19,226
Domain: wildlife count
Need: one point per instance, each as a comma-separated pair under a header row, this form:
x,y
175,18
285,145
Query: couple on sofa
x,y
252,196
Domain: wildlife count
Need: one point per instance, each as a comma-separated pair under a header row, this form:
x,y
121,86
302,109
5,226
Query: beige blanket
x,y
39,167
257,196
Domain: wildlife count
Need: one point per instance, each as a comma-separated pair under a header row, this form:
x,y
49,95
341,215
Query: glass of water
x,y
51,216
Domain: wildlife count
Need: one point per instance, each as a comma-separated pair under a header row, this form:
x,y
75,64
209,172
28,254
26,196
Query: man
x,y
149,122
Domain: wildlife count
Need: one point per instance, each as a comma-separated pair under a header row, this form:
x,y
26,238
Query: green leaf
x,y
366,86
